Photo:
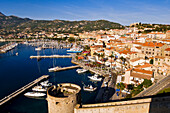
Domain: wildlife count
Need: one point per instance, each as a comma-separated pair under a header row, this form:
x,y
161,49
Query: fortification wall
x,y
149,105
63,104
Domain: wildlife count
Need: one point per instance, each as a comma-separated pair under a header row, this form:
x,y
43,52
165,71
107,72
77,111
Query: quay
x,y
51,56
102,73
7,47
62,68
22,89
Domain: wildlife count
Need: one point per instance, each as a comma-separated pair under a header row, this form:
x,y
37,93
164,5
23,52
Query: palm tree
x,y
112,56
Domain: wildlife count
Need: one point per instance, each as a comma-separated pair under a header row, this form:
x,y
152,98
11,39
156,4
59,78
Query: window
x,y
153,49
156,59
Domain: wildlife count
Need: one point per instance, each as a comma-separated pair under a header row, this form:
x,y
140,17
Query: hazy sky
x,y
121,11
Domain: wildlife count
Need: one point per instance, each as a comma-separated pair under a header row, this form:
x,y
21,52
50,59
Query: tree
x,y
151,61
146,83
130,86
122,86
71,39
112,56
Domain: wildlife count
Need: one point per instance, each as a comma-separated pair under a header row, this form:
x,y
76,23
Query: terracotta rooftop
x,y
143,71
137,75
135,59
168,49
145,65
160,57
151,44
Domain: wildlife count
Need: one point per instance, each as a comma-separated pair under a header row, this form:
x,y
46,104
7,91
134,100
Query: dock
x,y
8,47
51,56
63,68
21,90
101,73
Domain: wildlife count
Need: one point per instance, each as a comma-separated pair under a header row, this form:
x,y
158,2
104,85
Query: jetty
x,y
62,68
51,56
7,47
22,89
93,70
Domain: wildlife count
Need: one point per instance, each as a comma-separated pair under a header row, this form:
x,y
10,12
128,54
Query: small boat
x,y
89,88
81,70
38,49
34,94
75,50
95,78
53,69
46,83
39,88
16,54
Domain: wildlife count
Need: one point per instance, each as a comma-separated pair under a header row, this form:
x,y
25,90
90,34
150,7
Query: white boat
x,y
75,50
95,78
38,49
81,70
89,88
39,88
34,94
16,54
53,69
46,83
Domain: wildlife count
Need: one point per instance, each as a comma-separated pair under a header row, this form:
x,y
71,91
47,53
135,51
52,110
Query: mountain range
x,y
14,24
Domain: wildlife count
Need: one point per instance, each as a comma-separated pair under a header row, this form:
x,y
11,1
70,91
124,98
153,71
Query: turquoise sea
x,y
17,71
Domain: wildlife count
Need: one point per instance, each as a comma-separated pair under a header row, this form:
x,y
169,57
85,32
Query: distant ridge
x,y
17,24
1,14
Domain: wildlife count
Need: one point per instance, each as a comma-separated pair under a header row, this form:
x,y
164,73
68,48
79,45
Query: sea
x,y
18,70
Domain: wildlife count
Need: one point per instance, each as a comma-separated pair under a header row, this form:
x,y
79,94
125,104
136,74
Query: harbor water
x,y
18,70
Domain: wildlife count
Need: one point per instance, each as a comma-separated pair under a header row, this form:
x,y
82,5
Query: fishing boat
x,y
81,70
95,78
89,88
39,88
46,83
34,94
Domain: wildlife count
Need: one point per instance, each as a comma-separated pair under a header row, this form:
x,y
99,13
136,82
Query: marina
x,y
8,47
30,70
22,89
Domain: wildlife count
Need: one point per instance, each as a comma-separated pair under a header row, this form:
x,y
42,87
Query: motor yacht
x,y
34,94
95,78
46,83
81,70
89,88
39,88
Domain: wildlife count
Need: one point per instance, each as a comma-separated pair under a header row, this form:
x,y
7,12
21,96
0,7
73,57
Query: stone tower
x,y
63,98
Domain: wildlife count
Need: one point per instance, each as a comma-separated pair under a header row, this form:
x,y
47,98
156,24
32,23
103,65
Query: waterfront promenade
x,y
107,90
22,89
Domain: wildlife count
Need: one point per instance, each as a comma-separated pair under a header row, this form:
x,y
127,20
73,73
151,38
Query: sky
x,y
124,12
